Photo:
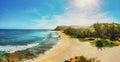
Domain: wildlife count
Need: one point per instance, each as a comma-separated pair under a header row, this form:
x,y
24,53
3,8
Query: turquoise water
x,y
14,40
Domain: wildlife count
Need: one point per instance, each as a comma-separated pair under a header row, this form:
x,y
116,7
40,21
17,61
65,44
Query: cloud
x,y
87,4
78,12
44,23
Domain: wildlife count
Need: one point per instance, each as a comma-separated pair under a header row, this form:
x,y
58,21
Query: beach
x,y
71,47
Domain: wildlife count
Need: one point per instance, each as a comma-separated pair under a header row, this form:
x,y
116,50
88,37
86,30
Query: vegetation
x,y
104,43
83,39
61,28
82,59
101,31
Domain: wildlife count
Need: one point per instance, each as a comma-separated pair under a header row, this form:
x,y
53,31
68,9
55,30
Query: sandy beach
x,y
69,47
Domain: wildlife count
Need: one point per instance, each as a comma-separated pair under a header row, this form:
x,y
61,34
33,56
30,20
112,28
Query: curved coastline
x,y
32,51
67,48
70,47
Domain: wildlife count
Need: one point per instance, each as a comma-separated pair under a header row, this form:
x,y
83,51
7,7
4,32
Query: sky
x,y
47,14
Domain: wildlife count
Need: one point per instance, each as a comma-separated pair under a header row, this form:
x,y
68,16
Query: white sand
x,y
69,47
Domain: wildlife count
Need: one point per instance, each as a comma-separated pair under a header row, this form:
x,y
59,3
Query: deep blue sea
x,y
19,39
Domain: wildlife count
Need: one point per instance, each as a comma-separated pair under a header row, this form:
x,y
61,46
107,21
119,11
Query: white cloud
x,y
44,23
78,12
87,4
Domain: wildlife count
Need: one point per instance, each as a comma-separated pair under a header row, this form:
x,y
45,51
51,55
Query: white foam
x,y
11,49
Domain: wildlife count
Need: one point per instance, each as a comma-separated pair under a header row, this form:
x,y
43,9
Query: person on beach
x,y
99,45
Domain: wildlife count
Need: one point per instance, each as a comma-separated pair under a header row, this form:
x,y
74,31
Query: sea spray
x,y
31,50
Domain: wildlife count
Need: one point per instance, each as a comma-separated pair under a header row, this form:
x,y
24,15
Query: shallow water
x,y
14,40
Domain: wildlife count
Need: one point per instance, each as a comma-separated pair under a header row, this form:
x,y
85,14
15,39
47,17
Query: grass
x,y
105,43
73,36
83,39
93,43
108,44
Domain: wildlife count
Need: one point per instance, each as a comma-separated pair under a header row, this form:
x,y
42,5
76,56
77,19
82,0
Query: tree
x,y
97,29
112,32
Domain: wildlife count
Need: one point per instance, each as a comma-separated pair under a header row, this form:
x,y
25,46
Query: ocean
x,y
12,40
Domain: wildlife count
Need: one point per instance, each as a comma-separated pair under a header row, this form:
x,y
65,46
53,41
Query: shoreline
x,y
70,47
12,49
48,52
30,53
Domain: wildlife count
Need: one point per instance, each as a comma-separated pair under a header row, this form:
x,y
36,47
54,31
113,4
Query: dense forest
x,y
98,30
